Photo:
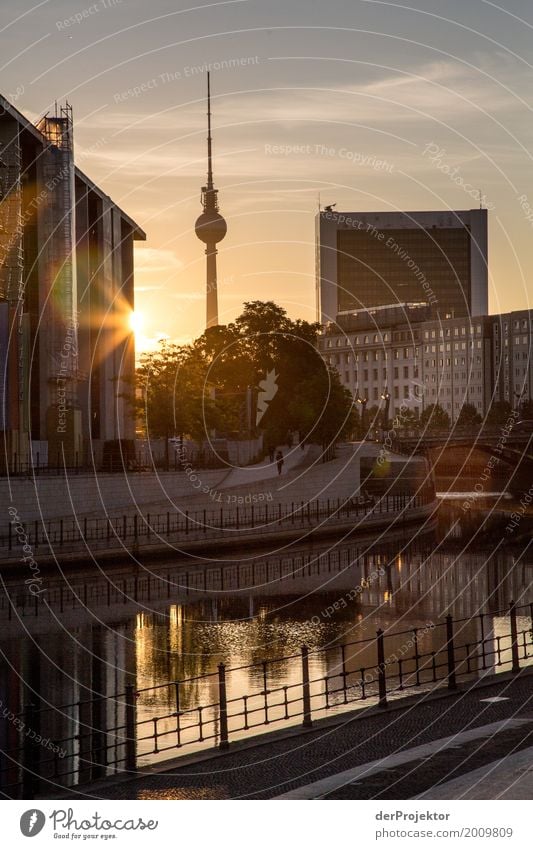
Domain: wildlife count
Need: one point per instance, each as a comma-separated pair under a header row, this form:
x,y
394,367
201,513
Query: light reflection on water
x,y
170,628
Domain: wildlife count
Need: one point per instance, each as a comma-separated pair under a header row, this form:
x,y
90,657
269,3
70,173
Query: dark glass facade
x,y
378,267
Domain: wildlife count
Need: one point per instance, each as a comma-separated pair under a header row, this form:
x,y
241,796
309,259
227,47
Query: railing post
x,y
30,754
382,680
307,721
223,703
131,728
514,638
452,682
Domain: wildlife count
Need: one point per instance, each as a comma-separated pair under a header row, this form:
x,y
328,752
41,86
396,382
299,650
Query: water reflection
x,y
92,633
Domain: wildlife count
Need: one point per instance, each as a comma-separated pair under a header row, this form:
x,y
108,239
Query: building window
x,y
406,371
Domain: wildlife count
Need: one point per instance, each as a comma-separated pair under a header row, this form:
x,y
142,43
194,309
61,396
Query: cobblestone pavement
x,y
277,766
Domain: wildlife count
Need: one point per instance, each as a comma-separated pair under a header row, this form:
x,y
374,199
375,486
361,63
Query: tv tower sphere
x,y
210,227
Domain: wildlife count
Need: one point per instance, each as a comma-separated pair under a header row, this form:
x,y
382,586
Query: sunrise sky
x,y
374,105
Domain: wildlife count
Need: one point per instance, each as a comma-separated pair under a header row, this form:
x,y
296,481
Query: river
x,y
93,632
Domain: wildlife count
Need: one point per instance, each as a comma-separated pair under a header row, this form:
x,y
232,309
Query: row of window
x,y
518,324
457,346
407,373
432,334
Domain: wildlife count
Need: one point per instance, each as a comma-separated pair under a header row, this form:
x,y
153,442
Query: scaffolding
x,y
11,254
60,267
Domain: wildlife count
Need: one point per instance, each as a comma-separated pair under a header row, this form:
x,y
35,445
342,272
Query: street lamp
x,y
363,402
385,396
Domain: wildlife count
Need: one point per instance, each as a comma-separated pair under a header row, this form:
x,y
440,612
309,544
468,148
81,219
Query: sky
x,y
372,105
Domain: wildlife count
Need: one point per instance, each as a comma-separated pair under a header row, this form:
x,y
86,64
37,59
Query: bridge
x,y
471,453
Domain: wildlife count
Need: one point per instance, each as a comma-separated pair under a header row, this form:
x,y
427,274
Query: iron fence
x,y
78,533
122,731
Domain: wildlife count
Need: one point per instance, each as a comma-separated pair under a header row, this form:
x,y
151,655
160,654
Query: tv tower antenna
x,y
210,227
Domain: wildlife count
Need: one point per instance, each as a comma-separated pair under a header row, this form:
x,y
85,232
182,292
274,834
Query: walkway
x,y
288,761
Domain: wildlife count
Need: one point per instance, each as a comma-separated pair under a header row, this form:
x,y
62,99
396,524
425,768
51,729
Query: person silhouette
x,y
279,461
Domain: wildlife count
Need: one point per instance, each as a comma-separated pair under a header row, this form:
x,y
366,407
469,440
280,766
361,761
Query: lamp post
x,y
363,402
385,396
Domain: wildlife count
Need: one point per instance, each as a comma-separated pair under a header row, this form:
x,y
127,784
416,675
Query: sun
x,y
136,320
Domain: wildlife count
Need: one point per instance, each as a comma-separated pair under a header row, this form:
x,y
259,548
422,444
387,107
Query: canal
x,y
68,655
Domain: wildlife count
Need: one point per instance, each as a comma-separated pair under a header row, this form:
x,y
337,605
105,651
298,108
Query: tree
x,y
173,395
498,413
468,416
435,417
262,355
321,409
526,410
406,419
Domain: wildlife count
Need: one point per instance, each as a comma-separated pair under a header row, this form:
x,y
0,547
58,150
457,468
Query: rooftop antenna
x,y
209,140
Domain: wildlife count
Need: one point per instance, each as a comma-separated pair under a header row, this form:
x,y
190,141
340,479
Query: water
x,y
94,633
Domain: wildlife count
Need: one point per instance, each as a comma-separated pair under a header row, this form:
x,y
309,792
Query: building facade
x,y
66,296
377,352
512,351
419,361
457,364
371,259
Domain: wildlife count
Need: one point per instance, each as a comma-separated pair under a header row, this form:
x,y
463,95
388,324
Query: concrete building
x,y
371,259
457,364
418,362
66,295
378,351
512,352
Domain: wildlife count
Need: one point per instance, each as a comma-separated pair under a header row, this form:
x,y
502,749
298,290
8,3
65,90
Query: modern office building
x,y
371,259
66,296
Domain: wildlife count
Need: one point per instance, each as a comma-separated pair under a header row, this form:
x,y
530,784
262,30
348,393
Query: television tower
x,y
210,226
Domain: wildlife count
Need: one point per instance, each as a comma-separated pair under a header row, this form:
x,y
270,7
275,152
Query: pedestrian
x,y
279,461
271,452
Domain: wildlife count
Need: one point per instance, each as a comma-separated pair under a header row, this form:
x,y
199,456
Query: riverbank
x,y
353,756
254,504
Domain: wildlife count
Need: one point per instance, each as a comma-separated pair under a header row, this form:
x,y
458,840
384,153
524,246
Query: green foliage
x,y
526,410
173,396
468,416
499,413
435,417
189,389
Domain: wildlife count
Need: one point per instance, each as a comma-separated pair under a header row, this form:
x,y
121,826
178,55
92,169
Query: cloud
x,y
149,260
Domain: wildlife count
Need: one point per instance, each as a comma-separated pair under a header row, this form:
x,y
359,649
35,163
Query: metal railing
x,y
120,732
78,533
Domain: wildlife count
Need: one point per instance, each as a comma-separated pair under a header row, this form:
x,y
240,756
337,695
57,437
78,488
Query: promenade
x,y
251,503
475,742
